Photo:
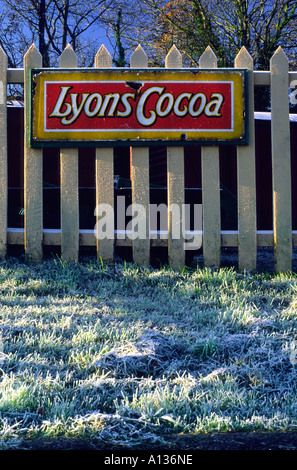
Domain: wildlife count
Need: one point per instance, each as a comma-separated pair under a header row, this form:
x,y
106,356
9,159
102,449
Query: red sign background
x,y
171,121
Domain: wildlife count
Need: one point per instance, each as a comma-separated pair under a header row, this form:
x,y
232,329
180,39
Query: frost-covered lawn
x,y
126,355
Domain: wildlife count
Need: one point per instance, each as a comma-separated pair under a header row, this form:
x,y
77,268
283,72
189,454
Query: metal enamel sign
x,y
100,107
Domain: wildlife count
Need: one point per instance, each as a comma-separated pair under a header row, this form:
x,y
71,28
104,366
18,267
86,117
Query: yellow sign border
x,y
39,137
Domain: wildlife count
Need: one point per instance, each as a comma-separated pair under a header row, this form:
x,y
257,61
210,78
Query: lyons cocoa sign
x,y
137,107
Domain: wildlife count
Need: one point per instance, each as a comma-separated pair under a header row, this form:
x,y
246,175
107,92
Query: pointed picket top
x,y
138,58
68,58
279,60
244,59
174,59
103,59
33,57
208,59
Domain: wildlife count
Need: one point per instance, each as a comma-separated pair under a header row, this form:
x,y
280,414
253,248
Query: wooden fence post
x,y
3,153
246,179
33,177
141,182
210,188
281,162
176,187
69,184
104,179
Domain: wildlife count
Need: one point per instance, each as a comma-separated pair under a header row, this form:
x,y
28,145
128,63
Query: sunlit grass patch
x,y
105,352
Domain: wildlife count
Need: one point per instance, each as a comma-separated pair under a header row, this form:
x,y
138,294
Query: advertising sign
x,y
130,106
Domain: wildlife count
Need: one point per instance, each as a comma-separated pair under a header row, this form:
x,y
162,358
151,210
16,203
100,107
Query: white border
x,y
140,129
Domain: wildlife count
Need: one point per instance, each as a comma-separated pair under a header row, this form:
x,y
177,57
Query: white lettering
x,y
76,110
115,460
141,228
137,226
69,106
140,111
93,97
164,112
127,105
213,107
104,227
60,101
181,112
111,96
194,99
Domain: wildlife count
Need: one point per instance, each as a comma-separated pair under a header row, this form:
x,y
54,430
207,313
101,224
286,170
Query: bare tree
x,y
55,23
226,25
14,40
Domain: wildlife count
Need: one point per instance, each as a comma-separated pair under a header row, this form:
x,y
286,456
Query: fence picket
x,y
281,162
247,238
3,154
33,164
210,166
69,184
104,179
176,185
140,182
246,179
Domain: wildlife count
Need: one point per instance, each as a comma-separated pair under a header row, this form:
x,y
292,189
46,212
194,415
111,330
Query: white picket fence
x,y
70,237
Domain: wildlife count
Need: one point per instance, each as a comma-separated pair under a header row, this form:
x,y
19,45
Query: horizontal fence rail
x,y
261,78
70,237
